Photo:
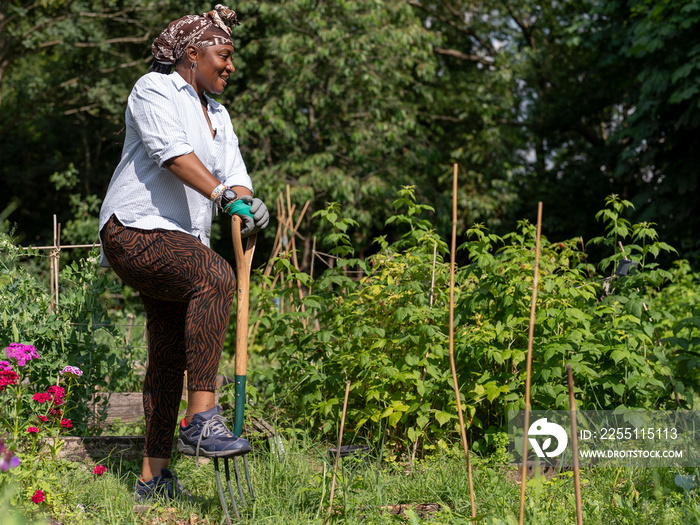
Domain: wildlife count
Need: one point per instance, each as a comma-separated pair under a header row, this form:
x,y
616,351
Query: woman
x,y
180,162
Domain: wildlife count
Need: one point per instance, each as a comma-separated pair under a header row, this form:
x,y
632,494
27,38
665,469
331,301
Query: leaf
x,y
619,355
387,412
395,418
443,417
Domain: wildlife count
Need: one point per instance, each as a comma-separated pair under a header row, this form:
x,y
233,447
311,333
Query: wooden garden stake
x,y
337,452
463,432
51,265
529,361
54,259
574,444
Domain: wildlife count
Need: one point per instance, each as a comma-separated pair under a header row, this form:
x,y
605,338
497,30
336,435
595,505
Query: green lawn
x,y
295,489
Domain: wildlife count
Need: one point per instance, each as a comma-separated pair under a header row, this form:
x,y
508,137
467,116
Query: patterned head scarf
x,y
190,30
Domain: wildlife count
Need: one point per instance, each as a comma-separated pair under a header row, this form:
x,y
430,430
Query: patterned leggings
x,y
187,291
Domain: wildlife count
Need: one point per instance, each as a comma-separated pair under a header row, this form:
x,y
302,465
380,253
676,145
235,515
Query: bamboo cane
x,y
529,361
51,266
463,432
574,444
57,261
337,452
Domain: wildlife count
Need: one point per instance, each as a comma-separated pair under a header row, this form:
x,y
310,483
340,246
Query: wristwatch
x,y
228,196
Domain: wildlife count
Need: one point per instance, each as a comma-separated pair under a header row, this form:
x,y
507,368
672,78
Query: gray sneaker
x,y
208,436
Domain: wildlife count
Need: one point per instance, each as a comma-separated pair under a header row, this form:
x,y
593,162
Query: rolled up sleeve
x,y
157,121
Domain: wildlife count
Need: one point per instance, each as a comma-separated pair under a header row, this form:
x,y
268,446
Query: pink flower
x,y
21,353
33,430
99,470
71,371
38,497
7,378
42,418
5,365
66,423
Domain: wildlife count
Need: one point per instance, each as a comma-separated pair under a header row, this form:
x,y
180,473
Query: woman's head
x,y
200,32
207,68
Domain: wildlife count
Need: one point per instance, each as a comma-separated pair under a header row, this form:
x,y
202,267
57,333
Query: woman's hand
x,y
261,216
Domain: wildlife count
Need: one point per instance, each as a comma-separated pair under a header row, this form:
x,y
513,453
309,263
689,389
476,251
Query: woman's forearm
x,y
190,170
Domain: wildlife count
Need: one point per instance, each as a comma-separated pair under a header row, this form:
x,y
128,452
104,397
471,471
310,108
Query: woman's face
x,y
214,66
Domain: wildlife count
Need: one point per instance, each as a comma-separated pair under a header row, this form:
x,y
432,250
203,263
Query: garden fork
x,y
244,259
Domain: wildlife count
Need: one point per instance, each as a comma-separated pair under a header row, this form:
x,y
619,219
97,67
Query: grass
x,y
295,489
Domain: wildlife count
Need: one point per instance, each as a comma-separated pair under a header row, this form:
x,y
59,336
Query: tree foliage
x,y
564,102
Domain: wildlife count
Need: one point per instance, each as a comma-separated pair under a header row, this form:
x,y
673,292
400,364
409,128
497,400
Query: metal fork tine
x,y
220,490
238,483
247,477
238,480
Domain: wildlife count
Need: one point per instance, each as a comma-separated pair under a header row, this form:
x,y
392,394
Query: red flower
x,y
42,418
57,393
33,430
41,397
55,412
66,423
38,497
7,378
99,470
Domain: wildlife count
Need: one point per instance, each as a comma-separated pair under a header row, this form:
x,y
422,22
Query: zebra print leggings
x,y
187,291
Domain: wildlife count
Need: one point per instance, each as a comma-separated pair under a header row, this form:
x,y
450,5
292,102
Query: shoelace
x,y
215,425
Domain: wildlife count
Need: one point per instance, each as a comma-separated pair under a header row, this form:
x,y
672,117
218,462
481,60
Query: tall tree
x,y
604,96
66,69
661,134
327,99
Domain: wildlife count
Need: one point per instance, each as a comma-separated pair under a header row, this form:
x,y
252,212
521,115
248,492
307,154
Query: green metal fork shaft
x,y
239,406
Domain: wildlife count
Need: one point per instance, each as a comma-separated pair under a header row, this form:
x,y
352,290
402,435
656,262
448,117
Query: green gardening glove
x,y
242,209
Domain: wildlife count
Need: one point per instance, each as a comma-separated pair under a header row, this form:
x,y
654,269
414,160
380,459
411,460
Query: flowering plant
x,y
29,415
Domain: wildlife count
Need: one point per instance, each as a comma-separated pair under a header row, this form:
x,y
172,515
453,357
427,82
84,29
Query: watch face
x,y
229,195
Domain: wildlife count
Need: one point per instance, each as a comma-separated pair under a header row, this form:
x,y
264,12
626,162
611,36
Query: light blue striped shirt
x,y
164,119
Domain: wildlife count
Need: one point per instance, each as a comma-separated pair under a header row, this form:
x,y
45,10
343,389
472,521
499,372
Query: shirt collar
x,y
180,83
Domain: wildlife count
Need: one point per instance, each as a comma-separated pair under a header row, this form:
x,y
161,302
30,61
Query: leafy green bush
x,y
382,324
595,323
